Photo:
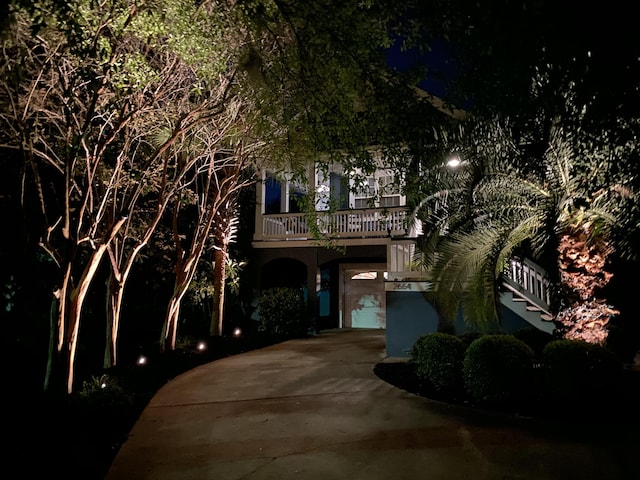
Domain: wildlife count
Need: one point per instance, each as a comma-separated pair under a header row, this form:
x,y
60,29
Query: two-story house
x,y
354,260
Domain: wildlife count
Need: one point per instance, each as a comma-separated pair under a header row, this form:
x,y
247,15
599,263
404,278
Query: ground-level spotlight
x,y
142,360
201,346
237,332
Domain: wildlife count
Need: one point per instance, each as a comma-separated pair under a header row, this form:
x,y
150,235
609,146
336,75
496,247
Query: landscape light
x,y
202,346
237,332
142,360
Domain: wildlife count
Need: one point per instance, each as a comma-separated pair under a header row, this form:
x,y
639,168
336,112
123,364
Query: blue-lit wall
x,y
409,316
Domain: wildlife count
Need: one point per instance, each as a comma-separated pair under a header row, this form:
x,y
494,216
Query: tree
x,y
87,85
570,208
59,118
77,99
548,146
225,166
224,232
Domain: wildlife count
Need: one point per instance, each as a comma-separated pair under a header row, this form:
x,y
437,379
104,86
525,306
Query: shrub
x,y
469,337
283,313
575,368
438,358
104,392
536,339
498,369
102,405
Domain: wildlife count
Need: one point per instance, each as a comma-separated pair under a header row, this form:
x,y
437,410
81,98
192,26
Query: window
x,y
339,190
364,196
390,192
273,195
365,276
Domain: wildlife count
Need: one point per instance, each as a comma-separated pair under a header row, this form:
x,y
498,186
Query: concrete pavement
x,y
314,409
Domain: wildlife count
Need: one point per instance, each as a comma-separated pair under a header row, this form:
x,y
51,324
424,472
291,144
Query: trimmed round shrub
x,y
498,370
575,369
283,313
438,358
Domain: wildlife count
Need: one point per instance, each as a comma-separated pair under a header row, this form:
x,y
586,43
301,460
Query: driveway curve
x,y
314,409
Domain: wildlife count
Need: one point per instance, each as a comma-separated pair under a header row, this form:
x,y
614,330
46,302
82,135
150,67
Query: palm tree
x,y
569,205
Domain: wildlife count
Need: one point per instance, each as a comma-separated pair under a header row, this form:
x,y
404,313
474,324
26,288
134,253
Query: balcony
x,y
342,224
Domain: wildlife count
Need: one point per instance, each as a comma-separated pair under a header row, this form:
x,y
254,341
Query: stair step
x,y
531,308
546,318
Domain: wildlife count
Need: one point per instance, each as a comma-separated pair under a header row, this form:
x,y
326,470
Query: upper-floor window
x,y
354,189
389,191
272,195
364,194
380,190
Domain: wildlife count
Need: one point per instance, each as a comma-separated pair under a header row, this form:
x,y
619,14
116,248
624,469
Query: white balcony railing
x,y
404,261
341,224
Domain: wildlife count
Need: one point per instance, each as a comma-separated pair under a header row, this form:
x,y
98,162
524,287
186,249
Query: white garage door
x,y
364,303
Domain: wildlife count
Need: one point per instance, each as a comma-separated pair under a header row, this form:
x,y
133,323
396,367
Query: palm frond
x,y
464,265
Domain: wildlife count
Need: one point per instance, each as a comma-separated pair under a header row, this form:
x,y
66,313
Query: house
x,y
358,270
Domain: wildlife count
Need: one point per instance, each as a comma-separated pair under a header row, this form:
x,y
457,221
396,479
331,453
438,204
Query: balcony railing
x,y
404,261
341,224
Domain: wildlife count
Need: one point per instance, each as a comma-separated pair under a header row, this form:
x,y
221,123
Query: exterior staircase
x,y
526,293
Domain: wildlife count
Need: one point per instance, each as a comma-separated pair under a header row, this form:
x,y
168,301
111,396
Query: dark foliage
x,y
283,313
438,358
618,408
498,369
77,437
575,370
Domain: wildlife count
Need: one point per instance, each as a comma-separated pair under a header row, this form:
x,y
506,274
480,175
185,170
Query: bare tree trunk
x,y
115,288
219,281
170,328
76,301
77,297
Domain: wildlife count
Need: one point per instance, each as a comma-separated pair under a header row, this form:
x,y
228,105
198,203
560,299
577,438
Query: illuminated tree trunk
x,y
582,265
58,315
187,261
115,290
170,328
75,310
219,281
122,261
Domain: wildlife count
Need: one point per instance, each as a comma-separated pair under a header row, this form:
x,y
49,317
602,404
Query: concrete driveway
x,y
313,409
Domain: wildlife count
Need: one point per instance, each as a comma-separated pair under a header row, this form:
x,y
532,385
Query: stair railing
x,y
530,280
